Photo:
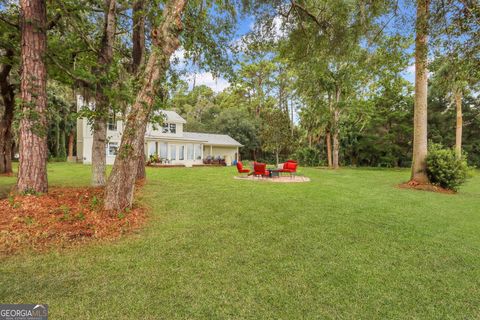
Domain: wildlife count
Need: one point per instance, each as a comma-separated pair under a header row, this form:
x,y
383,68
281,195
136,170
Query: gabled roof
x,y
213,139
172,116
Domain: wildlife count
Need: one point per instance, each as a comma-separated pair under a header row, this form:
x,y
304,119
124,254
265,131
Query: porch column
x,y
211,151
237,157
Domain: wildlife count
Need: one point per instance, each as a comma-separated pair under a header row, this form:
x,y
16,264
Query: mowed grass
x,y
347,245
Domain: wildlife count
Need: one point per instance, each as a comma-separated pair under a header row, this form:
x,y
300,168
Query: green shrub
x,y
444,168
154,158
57,159
309,157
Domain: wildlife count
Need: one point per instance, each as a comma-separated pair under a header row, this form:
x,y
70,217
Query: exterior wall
x,y
154,147
85,140
228,153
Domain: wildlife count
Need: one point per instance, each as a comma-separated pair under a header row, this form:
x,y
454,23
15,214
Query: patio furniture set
x,y
214,161
260,169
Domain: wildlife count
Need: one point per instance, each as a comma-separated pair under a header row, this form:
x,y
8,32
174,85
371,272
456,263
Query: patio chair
x,y
260,170
290,167
240,168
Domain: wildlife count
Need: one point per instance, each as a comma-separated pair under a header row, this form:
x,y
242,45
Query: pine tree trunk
x,y
138,36
57,140
458,131
121,183
419,165
71,141
62,153
329,149
104,60
293,120
138,58
336,148
336,129
99,152
8,105
141,174
32,170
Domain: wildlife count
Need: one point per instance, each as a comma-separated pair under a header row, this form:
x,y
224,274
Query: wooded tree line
x,y
321,79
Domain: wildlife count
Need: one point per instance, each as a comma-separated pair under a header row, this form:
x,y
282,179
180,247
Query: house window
x,y
190,151
181,152
151,148
198,151
112,124
112,148
173,128
173,152
165,128
163,150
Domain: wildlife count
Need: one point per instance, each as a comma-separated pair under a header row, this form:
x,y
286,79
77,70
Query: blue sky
x,y
403,24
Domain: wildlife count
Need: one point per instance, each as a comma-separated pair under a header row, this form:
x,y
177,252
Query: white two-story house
x,y
172,145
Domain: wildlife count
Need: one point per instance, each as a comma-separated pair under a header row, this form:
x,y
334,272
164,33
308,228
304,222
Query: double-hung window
x,y
173,152
112,124
198,151
181,152
163,150
189,151
112,148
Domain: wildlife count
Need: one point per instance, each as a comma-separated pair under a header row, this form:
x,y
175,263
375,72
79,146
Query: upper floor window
x,y
112,124
169,128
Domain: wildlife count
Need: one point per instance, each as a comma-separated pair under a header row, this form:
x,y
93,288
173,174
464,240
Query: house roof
x,y
172,116
213,139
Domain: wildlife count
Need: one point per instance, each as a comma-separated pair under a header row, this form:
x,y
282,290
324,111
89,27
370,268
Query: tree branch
x,y
11,24
321,24
52,23
85,82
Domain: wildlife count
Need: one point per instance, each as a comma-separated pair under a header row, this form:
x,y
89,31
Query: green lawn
x,y
347,245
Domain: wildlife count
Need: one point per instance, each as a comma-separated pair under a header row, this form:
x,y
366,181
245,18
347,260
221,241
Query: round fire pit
x,y
284,179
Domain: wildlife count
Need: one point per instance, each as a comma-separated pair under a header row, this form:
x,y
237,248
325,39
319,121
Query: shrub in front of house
x,y
444,168
153,159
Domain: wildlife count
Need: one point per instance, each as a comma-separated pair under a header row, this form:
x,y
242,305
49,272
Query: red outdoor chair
x,y
290,167
240,168
260,169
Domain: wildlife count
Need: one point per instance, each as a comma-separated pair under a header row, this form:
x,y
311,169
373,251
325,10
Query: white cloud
x,y
240,44
181,63
206,78
409,73
278,27
178,58
410,69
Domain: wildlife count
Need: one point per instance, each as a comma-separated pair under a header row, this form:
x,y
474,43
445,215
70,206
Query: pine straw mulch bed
x,y
62,218
425,187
